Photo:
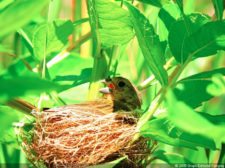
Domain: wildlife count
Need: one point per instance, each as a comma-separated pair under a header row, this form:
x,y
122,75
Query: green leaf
x,y
5,3
192,122
219,7
180,4
179,32
170,158
217,88
7,117
50,37
4,49
18,68
149,43
115,26
163,130
169,14
18,14
94,23
206,41
80,21
73,70
193,89
157,3
100,63
215,119
20,86
108,164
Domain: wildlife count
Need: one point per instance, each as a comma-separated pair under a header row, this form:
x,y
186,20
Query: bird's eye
x,y
121,84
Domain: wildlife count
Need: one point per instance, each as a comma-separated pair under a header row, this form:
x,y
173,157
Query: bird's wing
x,y
100,107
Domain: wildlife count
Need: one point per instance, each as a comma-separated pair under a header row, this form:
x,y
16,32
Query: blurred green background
x,y
48,57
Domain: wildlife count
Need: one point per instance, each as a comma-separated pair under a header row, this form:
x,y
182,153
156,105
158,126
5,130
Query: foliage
x,y
172,50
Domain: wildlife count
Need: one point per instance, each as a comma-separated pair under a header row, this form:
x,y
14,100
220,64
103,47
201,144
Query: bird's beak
x,y
105,90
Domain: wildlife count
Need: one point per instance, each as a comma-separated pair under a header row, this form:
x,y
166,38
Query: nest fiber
x,y
68,136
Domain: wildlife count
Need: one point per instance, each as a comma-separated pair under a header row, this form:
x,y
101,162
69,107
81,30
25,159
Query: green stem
x,y
216,158
113,56
148,82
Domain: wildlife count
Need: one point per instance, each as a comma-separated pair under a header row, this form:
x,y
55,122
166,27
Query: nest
x,y
79,139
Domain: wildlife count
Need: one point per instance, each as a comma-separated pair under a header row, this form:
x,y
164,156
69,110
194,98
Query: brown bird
x,y
118,95
123,94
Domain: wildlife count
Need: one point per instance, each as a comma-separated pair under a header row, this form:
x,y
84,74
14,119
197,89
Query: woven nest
x,y
79,139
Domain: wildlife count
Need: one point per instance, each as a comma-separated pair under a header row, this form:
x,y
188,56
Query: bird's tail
x,y
22,106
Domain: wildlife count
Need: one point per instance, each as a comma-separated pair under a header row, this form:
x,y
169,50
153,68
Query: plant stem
x,y
148,81
216,158
72,17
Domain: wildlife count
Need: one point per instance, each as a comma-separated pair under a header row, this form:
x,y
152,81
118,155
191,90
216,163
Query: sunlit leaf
x,y
188,120
206,41
5,3
4,49
73,70
108,164
18,14
20,86
49,37
149,44
115,26
7,117
168,14
171,158
158,3
179,32
193,89
163,130
19,68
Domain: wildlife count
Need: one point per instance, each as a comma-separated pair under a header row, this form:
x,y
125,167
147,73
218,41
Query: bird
x,y
123,93
118,95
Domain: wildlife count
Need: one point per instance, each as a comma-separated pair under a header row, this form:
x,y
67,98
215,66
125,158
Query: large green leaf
x,y
170,158
158,3
149,43
50,37
219,7
5,3
4,49
169,14
7,117
179,32
18,14
73,70
193,89
163,130
99,70
19,68
206,41
180,3
20,86
192,122
108,164
115,26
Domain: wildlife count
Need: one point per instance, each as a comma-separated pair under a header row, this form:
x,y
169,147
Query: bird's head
x,y
124,95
